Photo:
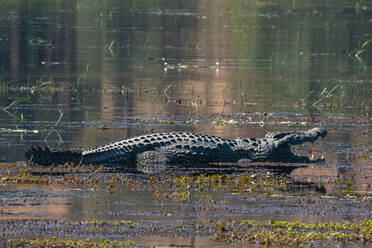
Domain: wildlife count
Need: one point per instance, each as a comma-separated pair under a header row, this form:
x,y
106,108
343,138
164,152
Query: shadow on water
x,y
86,73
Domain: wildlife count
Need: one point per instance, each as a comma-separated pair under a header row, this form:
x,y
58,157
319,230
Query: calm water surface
x,y
91,72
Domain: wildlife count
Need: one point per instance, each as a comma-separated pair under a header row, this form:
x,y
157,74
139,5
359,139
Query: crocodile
x,y
154,152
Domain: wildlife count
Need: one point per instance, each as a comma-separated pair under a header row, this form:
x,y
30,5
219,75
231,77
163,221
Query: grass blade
x,y
18,101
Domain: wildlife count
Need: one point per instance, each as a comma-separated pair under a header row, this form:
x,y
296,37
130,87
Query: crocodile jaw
x,y
283,152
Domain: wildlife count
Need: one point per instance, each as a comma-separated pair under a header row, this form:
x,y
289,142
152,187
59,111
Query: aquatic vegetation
x,y
88,175
95,222
329,98
294,234
254,184
16,102
16,173
192,121
325,94
178,66
224,122
62,243
55,130
180,188
362,48
25,178
19,130
84,75
109,46
32,86
38,41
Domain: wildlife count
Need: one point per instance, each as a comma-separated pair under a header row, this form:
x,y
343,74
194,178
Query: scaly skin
x,y
181,148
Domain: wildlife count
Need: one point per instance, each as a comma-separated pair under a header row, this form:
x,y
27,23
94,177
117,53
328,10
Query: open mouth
x,y
286,154
284,141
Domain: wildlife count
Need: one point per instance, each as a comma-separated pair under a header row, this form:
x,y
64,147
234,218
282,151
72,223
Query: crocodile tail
x,y
45,156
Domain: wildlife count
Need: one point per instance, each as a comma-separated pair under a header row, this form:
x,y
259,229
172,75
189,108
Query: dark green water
x,y
92,72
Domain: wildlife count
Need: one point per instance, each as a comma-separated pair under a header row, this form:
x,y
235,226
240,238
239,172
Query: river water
x,y
85,73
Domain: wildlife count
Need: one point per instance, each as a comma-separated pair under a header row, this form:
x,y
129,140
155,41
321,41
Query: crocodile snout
x,y
321,131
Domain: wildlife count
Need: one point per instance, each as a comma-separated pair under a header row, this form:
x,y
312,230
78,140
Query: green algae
x,y
179,188
64,243
294,234
95,222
